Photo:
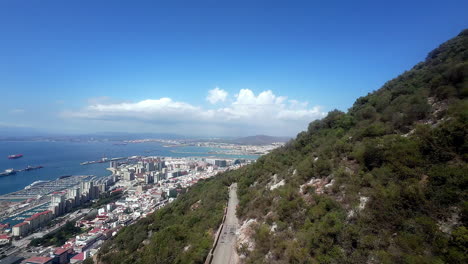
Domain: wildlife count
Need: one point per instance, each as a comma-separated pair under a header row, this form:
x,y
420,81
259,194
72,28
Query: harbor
x,y
26,212
40,188
101,160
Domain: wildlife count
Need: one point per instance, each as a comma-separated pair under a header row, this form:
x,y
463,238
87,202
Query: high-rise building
x,y
20,229
94,192
221,163
102,187
150,166
129,176
74,194
57,204
114,164
160,176
161,165
87,190
149,179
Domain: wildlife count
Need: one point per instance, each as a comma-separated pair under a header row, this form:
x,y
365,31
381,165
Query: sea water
x,y
64,158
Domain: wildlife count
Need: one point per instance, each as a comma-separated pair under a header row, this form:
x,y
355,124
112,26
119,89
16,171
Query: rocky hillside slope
x,y
386,182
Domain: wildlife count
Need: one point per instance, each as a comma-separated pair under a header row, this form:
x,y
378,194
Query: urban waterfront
x,y
64,158
96,189
138,186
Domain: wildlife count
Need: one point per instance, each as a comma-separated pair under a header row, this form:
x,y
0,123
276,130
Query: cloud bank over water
x,y
244,113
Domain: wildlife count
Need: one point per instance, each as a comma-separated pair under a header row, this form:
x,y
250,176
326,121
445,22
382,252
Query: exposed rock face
x,y
362,202
195,205
274,183
245,239
320,185
279,184
187,248
450,223
273,228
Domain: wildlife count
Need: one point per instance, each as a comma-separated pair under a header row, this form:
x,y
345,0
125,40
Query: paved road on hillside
x,y
225,252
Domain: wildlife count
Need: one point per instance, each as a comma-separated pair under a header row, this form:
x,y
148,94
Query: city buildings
x,y
20,229
136,188
39,220
4,239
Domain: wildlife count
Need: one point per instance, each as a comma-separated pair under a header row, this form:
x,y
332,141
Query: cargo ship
x,y
8,172
15,156
29,168
94,161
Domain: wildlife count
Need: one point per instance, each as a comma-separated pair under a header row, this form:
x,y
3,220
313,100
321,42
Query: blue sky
x,y
132,66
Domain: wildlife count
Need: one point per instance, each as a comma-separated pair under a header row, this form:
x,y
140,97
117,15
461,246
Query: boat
x,y
8,172
102,160
15,156
64,177
29,168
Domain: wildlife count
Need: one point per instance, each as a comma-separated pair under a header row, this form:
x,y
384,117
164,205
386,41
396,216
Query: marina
x,y
41,188
23,214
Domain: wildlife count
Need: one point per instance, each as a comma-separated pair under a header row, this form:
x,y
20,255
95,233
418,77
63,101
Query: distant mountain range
x,y
29,134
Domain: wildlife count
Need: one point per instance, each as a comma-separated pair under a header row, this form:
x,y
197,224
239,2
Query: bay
x,y
64,158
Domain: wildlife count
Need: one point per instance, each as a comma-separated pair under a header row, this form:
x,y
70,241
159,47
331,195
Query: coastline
x,y
64,158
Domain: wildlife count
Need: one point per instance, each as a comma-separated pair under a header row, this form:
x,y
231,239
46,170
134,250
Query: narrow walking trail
x,y
225,252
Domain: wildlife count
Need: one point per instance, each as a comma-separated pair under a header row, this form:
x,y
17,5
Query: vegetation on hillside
x,y
107,198
385,182
58,237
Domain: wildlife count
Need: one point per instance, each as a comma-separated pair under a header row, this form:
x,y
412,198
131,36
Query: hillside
x,y
385,182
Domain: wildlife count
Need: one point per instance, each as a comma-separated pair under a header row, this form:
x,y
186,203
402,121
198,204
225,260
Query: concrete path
x,y
225,252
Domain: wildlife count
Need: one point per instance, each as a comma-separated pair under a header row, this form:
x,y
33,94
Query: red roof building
x,y
20,224
4,239
39,260
60,251
61,255
78,257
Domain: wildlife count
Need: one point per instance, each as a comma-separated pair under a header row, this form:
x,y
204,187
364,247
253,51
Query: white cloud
x,y
248,113
216,95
